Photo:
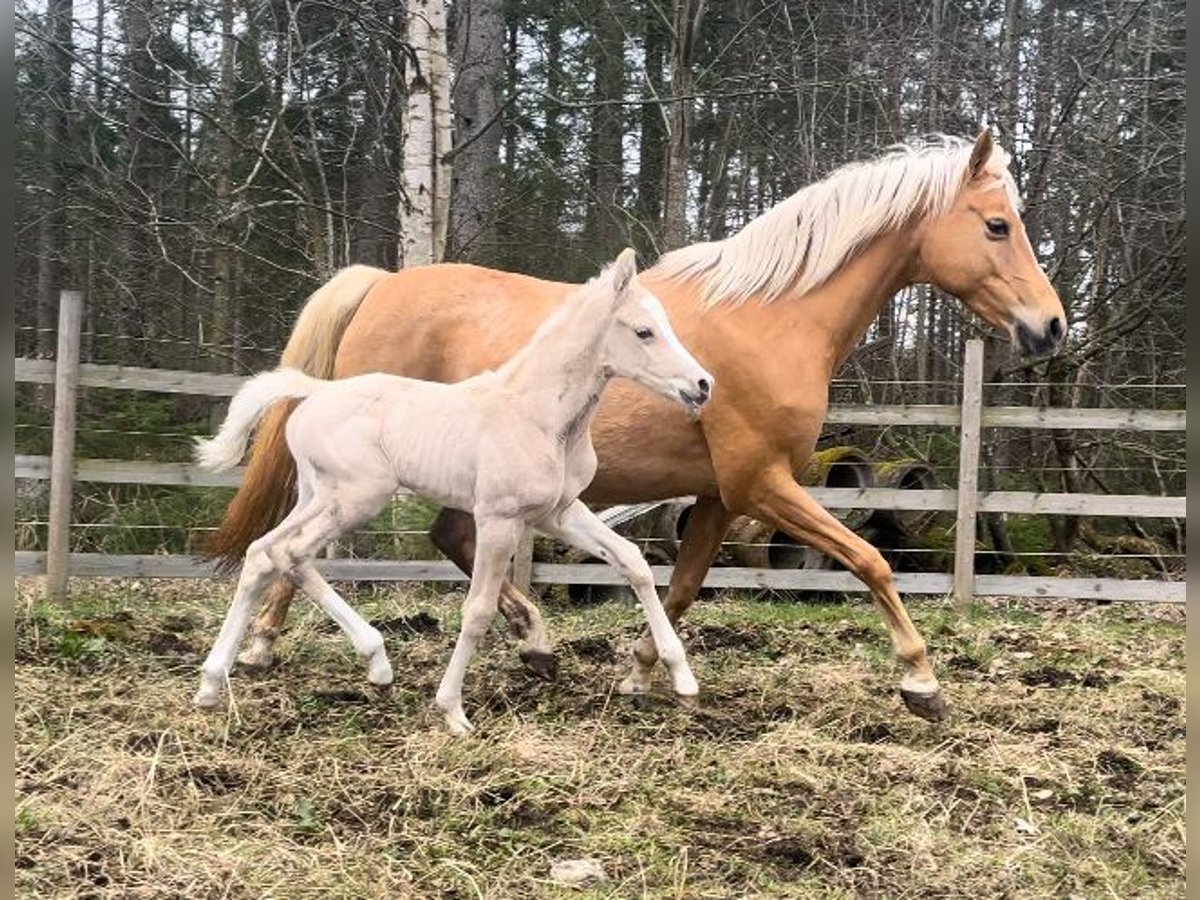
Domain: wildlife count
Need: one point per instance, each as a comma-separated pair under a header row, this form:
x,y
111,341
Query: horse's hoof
x,y
632,686
258,655
929,706
541,663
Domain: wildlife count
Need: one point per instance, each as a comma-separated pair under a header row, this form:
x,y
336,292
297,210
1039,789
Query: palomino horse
x,y
511,447
772,312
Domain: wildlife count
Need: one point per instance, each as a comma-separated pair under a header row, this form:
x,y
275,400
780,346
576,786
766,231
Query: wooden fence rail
x,y
971,417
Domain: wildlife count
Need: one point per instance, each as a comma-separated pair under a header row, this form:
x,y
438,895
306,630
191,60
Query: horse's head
x,y
978,250
640,343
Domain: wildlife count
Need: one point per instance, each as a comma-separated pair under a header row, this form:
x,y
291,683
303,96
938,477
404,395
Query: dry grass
x,y
796,773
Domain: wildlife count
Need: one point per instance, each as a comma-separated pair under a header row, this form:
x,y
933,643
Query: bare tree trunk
x,y
425,185
602,225
651,149
478,52
222,310
686,28
52,236
374,226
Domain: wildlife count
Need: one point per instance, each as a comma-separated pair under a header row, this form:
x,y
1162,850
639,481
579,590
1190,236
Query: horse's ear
x,y
623,270
980,153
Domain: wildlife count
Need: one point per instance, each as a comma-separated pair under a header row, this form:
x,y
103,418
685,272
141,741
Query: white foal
x,y
511,446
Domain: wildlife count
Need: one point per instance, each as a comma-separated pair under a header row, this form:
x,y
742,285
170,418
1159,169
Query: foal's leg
x,y
260,653
453,533
580,527
365,637
257,572
338,507
779,500
495,544
706,526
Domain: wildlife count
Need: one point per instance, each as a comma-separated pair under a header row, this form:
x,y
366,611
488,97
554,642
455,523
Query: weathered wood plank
x,y
1098,419
100,565
118,471
40,371
135,378
66,379
968,472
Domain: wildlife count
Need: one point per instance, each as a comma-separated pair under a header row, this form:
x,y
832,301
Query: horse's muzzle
x,y
1045,343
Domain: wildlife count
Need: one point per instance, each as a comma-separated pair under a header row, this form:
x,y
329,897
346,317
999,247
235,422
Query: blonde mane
x,y
799,244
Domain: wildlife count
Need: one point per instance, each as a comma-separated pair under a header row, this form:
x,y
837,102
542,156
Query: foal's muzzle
x,y
699,393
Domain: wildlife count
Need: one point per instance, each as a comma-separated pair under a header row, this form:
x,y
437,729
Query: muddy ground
x,y
796,773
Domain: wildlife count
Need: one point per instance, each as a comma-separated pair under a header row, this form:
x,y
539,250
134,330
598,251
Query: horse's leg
x,y
260,652
706,526
496,541
580,527
780,501
257,571
453,533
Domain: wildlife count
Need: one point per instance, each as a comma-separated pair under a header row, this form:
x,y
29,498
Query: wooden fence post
x,y
968,472
62,455
522,566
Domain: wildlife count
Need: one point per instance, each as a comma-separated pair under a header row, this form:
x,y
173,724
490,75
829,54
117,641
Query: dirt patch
x,y
706,638
1051,676
408,626
595,649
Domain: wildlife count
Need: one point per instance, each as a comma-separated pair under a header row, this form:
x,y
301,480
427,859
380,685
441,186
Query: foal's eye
x,y
644,334
997,228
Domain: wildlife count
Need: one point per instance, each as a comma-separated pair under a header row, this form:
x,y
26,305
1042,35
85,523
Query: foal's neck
x,y
559,370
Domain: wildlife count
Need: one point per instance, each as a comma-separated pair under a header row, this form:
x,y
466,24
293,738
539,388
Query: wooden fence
x,y
971,417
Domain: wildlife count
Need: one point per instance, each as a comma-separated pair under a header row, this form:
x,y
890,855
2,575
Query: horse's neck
x,y
559,372
843,308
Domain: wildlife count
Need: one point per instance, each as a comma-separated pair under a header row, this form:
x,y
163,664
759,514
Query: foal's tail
x,y
268,485
226,449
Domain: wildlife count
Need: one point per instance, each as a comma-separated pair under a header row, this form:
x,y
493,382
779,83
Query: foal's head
x,y
640,343
978,250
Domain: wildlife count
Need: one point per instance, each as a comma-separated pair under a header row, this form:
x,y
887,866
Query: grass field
x,y
796,773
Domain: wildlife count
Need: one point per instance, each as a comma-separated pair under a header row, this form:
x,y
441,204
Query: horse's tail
x,y
270,476
226,449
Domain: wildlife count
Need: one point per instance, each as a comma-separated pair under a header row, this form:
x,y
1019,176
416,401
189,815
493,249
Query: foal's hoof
x,y
541,663
207,698
930,707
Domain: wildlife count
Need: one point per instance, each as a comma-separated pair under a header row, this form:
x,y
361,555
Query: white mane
x,y
801,242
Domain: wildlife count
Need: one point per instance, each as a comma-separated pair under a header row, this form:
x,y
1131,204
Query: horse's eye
x,y
997,228
644,334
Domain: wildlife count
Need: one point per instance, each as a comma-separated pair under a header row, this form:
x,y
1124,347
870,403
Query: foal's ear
x,y
623,270
980,153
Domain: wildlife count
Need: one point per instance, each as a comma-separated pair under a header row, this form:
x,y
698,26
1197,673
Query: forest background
x,y
197,169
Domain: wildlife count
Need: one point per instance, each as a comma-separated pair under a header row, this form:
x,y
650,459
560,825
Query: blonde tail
x,y
226,449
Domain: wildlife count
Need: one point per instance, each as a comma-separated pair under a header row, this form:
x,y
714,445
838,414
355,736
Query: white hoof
x,y
259,655
458,723
208,696
379,670
685,683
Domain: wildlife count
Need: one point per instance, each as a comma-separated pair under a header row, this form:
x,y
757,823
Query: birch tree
x,y
425,185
